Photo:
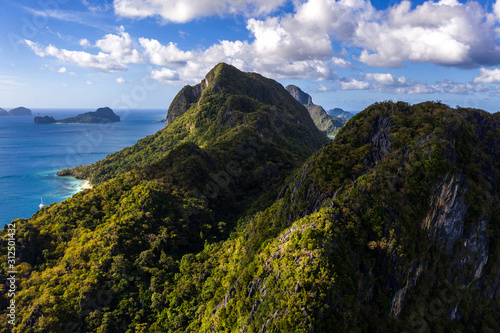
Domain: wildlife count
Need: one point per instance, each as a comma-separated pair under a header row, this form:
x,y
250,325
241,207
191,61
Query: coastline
x,y
87,185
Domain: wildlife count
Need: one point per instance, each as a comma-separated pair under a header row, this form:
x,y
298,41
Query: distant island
x,y
101,115
20,111
338,112
45,120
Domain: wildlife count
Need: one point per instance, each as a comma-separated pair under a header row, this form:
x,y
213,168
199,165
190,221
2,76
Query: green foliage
x,y
112,258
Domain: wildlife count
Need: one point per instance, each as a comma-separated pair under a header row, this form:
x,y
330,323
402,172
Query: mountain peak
x,y
299,95
227,106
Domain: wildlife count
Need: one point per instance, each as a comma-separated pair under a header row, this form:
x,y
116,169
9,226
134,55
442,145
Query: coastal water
x,y
30,154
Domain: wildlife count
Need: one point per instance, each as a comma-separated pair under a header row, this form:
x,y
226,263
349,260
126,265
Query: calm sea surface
x,y
30,155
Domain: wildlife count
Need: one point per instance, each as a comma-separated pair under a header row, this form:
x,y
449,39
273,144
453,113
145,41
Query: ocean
x,y
31,155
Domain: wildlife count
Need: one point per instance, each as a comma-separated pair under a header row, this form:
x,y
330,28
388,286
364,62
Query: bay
x,y
31,154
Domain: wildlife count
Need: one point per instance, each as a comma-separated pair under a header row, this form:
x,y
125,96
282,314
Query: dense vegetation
x,y
391,227
106,243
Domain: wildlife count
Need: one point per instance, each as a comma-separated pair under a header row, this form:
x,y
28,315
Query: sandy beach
x,y
86,185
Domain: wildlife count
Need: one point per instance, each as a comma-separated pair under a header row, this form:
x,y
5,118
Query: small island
x,y
20,111
338,112
45,120
101,115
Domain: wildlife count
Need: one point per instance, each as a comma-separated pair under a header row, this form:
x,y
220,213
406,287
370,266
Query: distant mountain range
x,y
101,115
326,123
20,111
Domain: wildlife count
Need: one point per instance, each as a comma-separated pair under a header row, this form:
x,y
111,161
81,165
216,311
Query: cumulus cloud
x,y
84,42
353,84
496,9
488,76
116,53
164,55
165,75
62,70
386,79
445,33
301,44
386,82
120,80
182,11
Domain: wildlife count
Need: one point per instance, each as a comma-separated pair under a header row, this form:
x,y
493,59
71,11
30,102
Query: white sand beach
x,y
86,185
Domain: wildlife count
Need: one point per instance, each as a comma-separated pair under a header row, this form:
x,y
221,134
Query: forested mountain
x,y
241,216
326,123
224,157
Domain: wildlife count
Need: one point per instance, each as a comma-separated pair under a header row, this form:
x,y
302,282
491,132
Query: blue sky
x,y
346,53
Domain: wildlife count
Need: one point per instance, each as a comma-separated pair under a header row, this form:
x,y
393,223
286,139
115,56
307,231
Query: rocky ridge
x,y
326,123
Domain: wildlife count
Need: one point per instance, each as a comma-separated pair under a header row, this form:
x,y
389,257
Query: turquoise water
x,y
30,155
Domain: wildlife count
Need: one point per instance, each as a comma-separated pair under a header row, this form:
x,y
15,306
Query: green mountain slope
x,y
326,123
214,110
96,261
393,227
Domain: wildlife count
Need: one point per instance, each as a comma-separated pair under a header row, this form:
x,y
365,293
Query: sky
x,y
345,53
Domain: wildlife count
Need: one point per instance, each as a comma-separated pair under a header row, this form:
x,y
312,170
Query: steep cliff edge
x,y
184,99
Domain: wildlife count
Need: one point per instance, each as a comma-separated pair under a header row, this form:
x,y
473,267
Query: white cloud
x,y
386,79
302,44
444,33
116,53
182,11
119,47
285,40
165,75
388,83
353,84
62,70
341,62
164,55
496,9
121,80
85,42
488,76
88,82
